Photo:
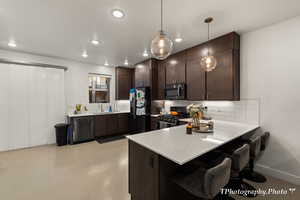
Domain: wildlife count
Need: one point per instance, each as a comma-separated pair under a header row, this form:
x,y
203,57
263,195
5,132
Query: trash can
x,y
61,134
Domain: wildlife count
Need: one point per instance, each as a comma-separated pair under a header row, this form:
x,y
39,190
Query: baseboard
x,y
278,174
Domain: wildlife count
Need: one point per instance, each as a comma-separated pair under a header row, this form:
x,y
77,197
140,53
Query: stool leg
x,y
251,175
238,184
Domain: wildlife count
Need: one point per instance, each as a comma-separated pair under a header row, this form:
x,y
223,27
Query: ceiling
x,y
64,28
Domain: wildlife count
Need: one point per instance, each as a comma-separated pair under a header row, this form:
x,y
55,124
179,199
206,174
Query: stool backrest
x,y
241,157
255,146
217,177
265,138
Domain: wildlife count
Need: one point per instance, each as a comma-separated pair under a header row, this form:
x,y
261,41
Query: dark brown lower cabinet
x,y
150,176
111,125
143,173
123,123
100,126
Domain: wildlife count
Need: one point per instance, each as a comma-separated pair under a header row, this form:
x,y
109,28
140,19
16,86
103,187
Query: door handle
x,y
179,91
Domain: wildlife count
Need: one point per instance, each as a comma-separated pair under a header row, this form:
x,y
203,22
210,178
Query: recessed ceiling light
x,y
117,13
178,39
84,54
106,63
12,43
95,42
145,54
126,62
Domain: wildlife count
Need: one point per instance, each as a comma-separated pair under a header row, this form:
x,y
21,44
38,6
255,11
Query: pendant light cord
x,y
161,15
208,53
208,31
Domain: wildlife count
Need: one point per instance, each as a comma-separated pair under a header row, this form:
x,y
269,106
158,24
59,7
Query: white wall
x,y
270,72
76,77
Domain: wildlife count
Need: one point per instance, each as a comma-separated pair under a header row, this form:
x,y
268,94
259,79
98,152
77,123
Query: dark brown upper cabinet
x,y
175,68
161,80
223,83
195,75
143,74
124,77
195,80
146,75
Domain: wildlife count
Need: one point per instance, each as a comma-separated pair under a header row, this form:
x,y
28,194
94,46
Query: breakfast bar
x,y
155,156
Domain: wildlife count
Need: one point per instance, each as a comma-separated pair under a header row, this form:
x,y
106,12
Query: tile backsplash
x,y
246,110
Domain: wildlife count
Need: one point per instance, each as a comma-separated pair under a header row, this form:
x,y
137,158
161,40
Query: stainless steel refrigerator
x,y
140,109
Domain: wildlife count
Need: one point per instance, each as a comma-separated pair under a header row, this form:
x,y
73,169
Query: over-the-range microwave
x,y
175,91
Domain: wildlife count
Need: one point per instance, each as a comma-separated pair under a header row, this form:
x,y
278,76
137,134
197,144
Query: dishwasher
x,y
83,129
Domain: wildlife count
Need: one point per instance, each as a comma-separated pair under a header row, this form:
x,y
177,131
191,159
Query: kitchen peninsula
x,y
155,156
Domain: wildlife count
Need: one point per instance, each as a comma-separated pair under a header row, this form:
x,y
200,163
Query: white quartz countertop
x,y
99,113
179,147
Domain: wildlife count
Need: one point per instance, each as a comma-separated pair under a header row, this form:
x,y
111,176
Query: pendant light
x,y
161,45
208,62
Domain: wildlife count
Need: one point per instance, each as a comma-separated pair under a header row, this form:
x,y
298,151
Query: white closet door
x,y
38,106
18,107
4,101
56,101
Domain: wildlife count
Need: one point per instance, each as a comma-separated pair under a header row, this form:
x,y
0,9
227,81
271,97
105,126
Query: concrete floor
x,y
89,171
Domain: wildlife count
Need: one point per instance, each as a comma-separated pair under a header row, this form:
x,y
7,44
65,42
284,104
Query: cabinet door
x,y
123,120
170,73
143,173
100,126
143,74
161,81
175,68
139,75
112,125
147,73
195,79
220,82
123,83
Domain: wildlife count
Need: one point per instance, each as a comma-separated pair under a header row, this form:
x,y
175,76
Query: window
x,y
99,88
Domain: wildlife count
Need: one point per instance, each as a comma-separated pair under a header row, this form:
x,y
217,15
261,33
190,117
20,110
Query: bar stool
x,y
205,182
240,156
256,153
